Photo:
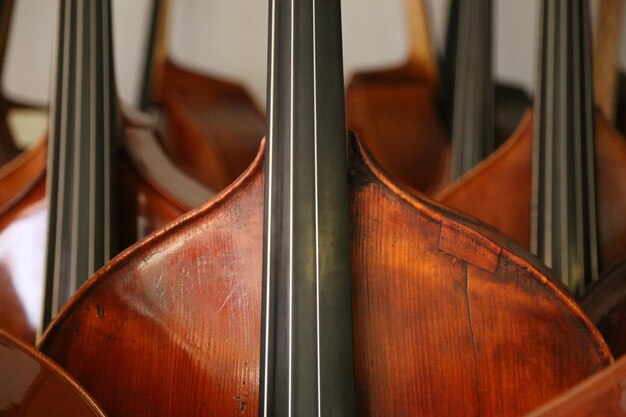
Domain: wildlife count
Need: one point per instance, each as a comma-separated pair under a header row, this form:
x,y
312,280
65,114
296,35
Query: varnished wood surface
x,y
33,386
393,113
211,127
601,395
498,191
606,48
605,303
447,321
142,208
18,175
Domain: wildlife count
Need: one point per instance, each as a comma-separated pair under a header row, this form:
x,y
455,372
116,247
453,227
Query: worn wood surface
x,y
142,208
601,395
31,385
498,191
447,321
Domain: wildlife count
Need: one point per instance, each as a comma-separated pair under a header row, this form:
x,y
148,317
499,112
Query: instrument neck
x,y
473,91
307,346
156,55
81,151
564,226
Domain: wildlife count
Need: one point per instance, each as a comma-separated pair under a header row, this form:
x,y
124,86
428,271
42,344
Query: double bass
x,y
557,186
69,205
210,126
428,132
314,285
393,111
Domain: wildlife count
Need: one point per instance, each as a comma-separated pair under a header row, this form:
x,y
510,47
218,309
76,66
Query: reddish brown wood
x,y
498,191
605,303
212,127
31,385
393,113
171,326
143,208
600,395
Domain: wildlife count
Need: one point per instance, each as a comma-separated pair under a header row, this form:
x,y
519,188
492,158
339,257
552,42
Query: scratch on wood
x,y
230,294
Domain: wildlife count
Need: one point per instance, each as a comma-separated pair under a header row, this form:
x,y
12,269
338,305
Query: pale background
x,y
228,38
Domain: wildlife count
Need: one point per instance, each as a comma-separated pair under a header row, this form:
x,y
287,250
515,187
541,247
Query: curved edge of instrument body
x,y
489,250
190,217
53,390
496,243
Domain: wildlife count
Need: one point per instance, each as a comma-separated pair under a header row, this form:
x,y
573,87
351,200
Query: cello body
x,y
211,127
498,190
31,385
405,116
447,321
147,204
393,113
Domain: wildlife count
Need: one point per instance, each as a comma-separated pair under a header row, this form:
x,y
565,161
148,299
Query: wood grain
x,y
31,385
141,208
498,190
171,326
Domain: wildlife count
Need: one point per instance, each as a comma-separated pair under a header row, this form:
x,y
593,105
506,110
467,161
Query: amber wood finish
x,y
211,127
447,321
394,113
31,385
498,190
144,206
600,395
606,47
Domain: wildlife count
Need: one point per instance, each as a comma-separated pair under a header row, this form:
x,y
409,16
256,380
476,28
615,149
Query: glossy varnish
x,y
447,322
31,385
211,127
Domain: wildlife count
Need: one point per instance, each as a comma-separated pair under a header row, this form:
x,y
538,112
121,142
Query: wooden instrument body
x,y
601,395
447,322
142,208
605,303
393,113
211,127
31,385
498,191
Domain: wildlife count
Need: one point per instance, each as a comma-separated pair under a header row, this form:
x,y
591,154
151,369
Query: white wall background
x,y
228,38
